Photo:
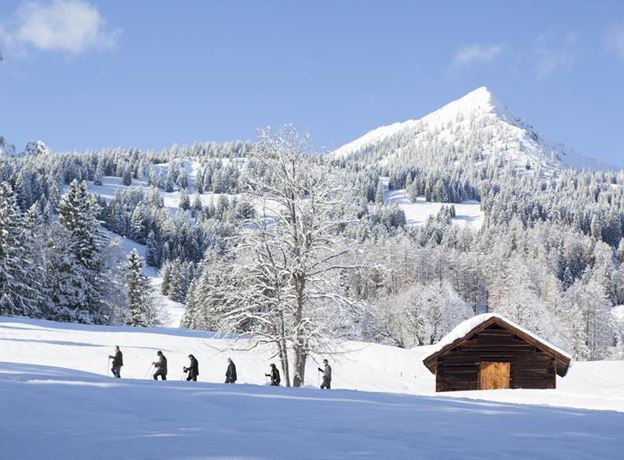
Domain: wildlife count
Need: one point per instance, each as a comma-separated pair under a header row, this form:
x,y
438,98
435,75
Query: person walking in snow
x,y
192,369
117,362
230,373
161,366
327,375
275,376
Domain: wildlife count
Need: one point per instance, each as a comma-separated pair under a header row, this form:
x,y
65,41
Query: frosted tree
x,y
422,314
126,177
520,301
287,263
18,286
99,173
152,250
211,304
588,320
141,311
185,200
78,213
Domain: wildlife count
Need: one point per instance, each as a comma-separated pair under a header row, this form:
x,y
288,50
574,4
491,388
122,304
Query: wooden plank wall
x,y
458,370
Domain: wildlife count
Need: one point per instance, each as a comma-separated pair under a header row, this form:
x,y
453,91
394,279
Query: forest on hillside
x,y
300,249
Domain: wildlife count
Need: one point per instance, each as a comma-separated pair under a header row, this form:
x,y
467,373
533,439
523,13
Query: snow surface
x,y
56,402
618,313
416,213
514,139
468,325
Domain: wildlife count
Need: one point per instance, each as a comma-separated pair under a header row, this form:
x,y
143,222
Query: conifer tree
x,y
17,295
78,213
141,310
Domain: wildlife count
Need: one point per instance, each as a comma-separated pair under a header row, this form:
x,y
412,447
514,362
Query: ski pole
x,y
108,365
148,371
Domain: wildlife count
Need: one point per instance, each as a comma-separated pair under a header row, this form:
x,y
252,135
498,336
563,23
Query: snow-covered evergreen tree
x,y
18,284
141,310
78,212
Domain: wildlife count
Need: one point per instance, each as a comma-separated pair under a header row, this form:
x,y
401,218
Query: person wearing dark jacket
x,y
117,362
327,375
161,366
192,369
275,376
230,373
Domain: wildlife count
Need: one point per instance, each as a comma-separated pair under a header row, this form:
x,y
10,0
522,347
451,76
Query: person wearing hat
x,y
161,366
230,373
192,369
275,376
117,362
327,375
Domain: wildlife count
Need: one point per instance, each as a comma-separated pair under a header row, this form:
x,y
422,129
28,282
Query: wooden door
x,y
494,376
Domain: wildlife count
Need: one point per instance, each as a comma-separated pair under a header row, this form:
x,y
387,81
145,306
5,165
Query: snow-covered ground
x,y
57,402
416,213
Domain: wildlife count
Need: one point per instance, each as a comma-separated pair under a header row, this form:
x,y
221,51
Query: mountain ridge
x,y
477,124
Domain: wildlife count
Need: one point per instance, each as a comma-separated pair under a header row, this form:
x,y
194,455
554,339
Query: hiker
x,y
117,362
297,380
275,376
192,370
326,375
230,374
161,366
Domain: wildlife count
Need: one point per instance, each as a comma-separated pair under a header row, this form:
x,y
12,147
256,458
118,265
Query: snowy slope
x,y
475,123
56,403
357,365
417,212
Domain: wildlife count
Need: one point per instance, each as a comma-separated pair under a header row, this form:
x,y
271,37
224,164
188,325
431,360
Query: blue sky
x,y
90,74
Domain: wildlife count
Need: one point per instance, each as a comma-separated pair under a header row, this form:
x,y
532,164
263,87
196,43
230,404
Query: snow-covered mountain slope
x,y
6,148
476,127
56,402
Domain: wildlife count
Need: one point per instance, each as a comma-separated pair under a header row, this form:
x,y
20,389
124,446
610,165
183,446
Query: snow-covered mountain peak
x,y
476,126
478,100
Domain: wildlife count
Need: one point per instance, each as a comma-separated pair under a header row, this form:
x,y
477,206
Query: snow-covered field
x,y
57,402
416,213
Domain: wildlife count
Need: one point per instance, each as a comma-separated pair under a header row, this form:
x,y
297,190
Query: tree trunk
x,y
300,345
283,355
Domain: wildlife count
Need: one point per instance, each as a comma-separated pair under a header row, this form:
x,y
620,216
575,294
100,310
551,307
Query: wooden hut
x,y
490,352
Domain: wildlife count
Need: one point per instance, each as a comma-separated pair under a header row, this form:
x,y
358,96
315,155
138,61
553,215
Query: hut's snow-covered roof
x,y
463,328
474,325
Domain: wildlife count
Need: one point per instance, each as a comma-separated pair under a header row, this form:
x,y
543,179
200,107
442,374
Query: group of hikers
x,y
192,370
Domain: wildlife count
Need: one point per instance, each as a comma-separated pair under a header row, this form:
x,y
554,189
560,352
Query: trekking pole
x,y
148,371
